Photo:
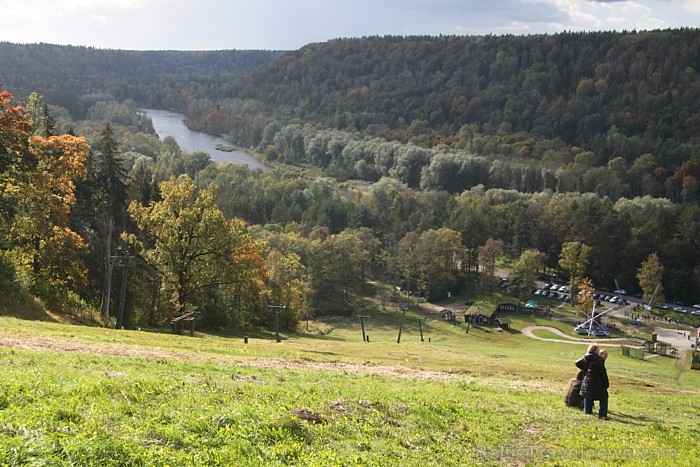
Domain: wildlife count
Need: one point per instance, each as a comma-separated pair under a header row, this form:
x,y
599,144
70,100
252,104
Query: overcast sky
x,y
291,24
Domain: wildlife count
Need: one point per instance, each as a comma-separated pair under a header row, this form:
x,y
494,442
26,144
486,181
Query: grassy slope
x,y
76,396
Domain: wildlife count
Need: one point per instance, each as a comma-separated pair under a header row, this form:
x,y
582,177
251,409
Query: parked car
x,y
680,309
697,306
695,312
621,292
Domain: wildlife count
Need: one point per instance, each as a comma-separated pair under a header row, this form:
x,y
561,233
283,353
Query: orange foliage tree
x,y
38,175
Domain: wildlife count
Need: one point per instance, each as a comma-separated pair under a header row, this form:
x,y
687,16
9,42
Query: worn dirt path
x,y
44,343
567,339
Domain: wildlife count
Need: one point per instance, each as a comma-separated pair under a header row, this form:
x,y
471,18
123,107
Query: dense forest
x,y
75,78
608,112
415,161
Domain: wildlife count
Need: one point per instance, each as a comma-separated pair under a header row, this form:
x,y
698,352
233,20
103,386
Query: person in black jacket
x,y
595,385
591,353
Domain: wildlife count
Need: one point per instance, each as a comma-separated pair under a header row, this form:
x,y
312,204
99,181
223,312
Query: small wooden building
x,y
656,346
477,318
503,323
447,315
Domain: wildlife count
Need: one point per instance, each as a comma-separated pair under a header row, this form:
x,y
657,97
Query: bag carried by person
x,y
572,396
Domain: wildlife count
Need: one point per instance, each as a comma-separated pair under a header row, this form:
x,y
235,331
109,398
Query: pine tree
x,y
111,196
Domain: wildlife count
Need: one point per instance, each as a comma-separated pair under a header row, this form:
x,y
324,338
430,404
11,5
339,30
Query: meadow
x,y
79,395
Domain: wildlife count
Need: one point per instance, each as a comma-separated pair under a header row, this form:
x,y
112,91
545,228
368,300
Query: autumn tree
x,y
488,254
194,248
44,242
574,260
650,276
15,158
584,299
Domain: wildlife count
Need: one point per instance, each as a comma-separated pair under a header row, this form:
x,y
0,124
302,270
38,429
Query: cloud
x,y
284,24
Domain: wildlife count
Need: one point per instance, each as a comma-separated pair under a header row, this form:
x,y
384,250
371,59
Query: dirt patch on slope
x,y
43,343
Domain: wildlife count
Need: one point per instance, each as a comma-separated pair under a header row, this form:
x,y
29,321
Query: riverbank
x,y
172,124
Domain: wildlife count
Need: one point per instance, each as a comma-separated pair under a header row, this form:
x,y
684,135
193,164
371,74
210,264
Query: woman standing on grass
x,y
595,385
591,353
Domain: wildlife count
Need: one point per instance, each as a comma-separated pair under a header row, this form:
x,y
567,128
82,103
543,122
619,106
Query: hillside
x,y
572,86
76,77
610,113
326,398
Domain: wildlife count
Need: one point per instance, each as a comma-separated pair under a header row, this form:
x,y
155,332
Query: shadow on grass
x,y
636,420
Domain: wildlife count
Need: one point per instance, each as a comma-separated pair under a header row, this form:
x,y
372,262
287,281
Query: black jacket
x,y
595,384
582,363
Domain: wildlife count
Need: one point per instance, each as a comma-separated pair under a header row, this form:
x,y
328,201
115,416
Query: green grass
x,y
73,395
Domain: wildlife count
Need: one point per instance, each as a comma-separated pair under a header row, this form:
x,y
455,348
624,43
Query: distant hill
x,y
74,77
577,87
626,103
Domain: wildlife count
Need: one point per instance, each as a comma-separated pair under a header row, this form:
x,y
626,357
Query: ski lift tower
x,y
592,326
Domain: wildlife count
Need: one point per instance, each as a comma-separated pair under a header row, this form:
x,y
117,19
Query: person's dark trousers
x,y
602,410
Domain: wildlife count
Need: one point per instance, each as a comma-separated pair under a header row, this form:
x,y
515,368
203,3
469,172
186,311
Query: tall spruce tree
x,y
111,198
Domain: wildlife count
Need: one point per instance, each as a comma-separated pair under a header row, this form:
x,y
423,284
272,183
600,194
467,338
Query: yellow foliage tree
x,y
44,244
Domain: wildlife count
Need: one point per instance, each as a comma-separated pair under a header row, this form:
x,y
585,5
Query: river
x,y
168,123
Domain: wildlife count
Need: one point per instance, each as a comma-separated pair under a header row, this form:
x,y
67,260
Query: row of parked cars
x,y
679,308
695,311
609,298
554,292
552,295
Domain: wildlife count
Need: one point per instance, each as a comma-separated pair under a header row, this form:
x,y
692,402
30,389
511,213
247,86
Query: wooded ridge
x,y
524,147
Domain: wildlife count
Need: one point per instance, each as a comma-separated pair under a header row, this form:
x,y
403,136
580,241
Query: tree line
x,y
609,112
228,241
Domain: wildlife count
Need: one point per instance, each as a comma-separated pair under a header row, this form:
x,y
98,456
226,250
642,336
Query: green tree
x,y
196,161
409,267
108,181
43,123
192,246
288,286
437,252
525,271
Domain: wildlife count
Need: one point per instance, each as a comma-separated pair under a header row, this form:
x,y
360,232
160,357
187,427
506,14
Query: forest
x,y
76,78
417,162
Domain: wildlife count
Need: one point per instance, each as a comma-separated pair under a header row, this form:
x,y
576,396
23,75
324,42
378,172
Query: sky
x,y
291,24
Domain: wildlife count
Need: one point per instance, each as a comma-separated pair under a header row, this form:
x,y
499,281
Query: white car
x,y
680,309
697,306
695,312
621,292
